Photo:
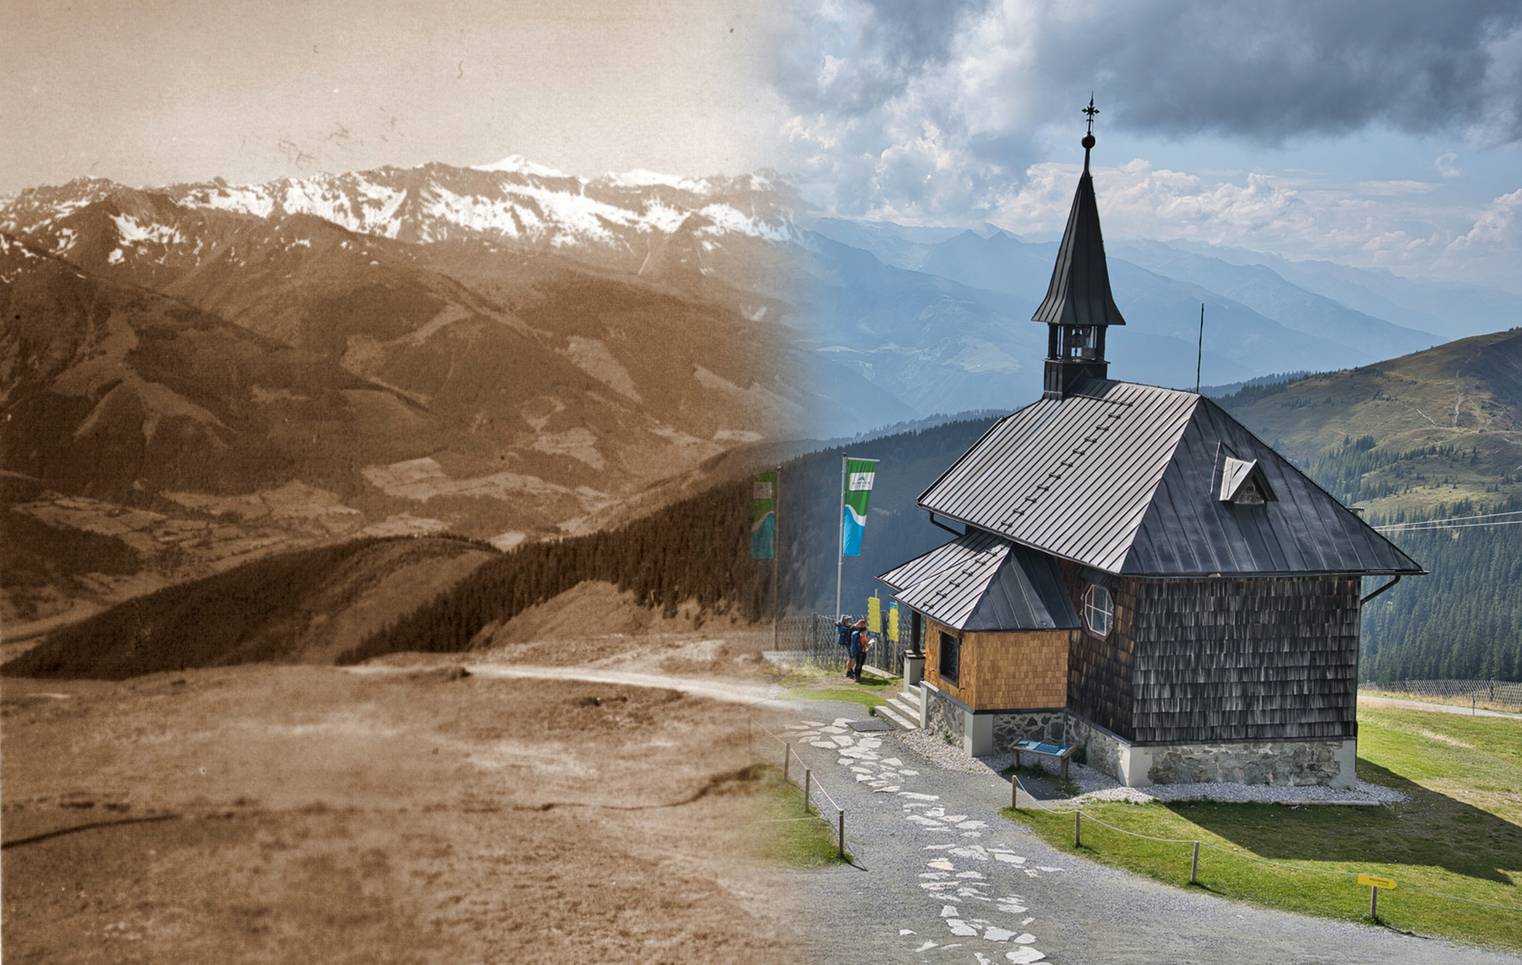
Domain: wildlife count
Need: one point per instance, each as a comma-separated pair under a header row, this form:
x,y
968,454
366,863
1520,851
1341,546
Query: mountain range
x,y
201,374
940,316
206,373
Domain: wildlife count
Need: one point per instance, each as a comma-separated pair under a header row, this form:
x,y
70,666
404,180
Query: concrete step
x,y
898,717
904,711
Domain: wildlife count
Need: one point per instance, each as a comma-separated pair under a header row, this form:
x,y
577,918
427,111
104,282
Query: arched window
x,y
1098,610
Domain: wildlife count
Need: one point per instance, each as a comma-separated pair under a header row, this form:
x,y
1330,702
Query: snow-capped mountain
x,y
638,221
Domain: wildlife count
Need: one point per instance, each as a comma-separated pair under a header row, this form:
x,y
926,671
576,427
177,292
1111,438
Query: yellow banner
x,y
893,623
874,614
1377,881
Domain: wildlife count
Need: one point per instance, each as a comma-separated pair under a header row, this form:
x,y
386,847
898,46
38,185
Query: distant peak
x,y
641,178
518,164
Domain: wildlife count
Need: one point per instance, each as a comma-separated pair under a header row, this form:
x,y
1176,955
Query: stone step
x,y
897,717
904,710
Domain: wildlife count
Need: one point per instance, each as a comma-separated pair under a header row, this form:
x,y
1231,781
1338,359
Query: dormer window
x,y
1243,483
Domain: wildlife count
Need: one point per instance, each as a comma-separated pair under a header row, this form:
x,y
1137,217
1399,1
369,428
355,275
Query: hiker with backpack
x,y
845,636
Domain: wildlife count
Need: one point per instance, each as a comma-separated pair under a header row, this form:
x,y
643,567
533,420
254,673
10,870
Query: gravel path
x,y
942,877
1438,708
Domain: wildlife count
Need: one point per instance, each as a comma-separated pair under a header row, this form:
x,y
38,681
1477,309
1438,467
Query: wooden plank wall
x,y
1100,669
1003,671
1260,659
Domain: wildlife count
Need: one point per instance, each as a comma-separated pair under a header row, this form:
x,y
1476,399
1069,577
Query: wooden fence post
x,y
1373,904
1077,829
841,846
808,778
1014,793
787,752
1194,866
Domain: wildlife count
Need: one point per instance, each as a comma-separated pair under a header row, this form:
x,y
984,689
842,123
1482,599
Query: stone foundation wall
x,y
1284,763
1043,725
943,718
1101,749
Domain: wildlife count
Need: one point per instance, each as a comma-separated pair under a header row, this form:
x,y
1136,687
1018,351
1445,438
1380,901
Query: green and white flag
x,y
858,478
763,516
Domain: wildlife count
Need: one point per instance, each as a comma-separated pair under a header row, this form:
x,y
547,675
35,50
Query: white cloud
x,y
943,113
1498,226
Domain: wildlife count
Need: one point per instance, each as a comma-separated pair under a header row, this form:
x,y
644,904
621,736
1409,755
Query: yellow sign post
x,y
893,623
1375,882
874,614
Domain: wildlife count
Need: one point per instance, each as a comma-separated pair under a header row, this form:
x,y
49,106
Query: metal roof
x,y
1124,478
1079,293
980,582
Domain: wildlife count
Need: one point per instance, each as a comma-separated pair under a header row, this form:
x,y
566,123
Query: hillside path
x,y
1438,708
942,877
727,690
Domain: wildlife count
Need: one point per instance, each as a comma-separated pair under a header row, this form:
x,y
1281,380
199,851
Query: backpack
x,y
843,634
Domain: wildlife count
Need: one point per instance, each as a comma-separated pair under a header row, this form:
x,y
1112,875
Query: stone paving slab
x,y
943,877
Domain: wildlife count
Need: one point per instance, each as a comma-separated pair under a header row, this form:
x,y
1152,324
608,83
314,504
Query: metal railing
x,y
810,638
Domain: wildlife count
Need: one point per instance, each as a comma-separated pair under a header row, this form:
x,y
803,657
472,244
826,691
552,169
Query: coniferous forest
x,y
1462,620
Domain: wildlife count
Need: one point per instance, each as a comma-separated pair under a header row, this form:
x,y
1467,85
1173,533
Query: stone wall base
x,y
1284,763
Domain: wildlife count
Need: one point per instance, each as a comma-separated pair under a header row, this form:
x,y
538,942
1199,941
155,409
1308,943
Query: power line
x,y
1449,519
1430,529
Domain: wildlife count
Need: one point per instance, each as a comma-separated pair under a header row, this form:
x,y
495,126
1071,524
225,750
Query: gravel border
x,y
1096,785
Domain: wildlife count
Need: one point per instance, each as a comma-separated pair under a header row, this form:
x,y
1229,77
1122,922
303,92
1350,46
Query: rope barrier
x,y
1247,856
809,785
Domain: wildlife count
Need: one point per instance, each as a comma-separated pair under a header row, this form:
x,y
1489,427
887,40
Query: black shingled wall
x,y
1100,670
1249,659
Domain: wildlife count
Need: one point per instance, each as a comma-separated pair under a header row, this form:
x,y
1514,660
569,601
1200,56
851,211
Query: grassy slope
x,y
812,683
1465,394
1460,835
786,839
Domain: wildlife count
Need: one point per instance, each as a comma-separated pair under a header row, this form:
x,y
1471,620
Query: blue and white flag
x,y
859,476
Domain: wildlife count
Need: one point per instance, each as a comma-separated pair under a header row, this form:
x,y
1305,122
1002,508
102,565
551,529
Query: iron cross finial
x,y
1091,110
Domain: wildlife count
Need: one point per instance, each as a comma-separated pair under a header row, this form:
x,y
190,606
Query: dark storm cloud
x,y
1272,70
1265,71
858,62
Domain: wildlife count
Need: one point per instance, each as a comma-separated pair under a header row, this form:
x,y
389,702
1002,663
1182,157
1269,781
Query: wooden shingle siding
x,y
1100,670
1258,659
1003,671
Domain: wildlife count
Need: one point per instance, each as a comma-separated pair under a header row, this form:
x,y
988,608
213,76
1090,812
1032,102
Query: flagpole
x,y
840,555
776,555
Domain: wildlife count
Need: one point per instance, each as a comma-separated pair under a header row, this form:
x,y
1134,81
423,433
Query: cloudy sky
x,y
1374,132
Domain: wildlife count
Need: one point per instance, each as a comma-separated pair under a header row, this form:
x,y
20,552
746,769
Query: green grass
x,y
784,839
814,684
1460,834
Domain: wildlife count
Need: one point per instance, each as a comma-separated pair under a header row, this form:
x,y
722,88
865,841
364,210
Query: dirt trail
x,y
1438,708
385,814
727,691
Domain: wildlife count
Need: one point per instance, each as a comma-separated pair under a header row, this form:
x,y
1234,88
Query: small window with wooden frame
x,y
1098,610
950,663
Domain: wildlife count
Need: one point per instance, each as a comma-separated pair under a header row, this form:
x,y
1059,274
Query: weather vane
x,y
1091,110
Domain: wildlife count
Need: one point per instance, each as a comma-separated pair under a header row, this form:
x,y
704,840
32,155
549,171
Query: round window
x,y
1098,610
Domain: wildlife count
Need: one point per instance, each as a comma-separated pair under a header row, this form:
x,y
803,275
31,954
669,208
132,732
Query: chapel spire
x,y
1079,306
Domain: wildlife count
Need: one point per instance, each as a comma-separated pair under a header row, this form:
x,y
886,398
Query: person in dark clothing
x,y
846,633
861,642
